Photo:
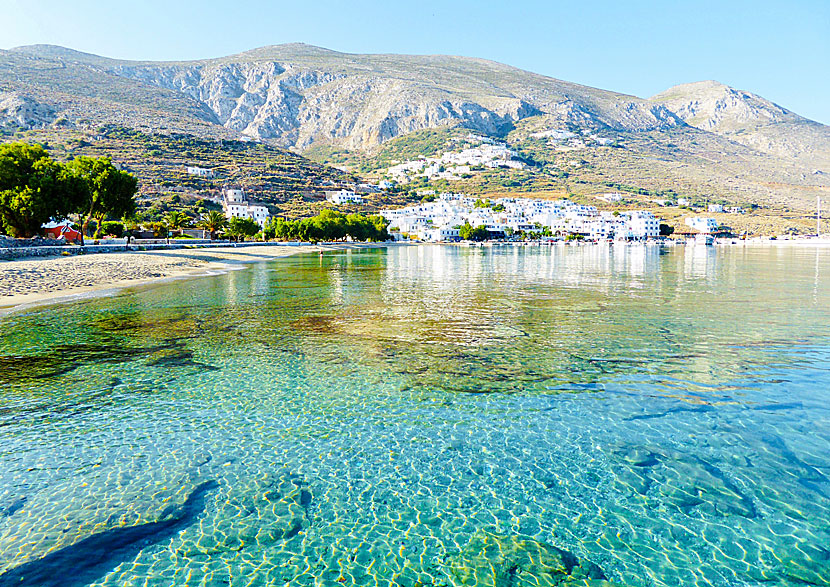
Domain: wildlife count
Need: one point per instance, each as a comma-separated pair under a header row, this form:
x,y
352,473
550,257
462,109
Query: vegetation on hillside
x,y
34,189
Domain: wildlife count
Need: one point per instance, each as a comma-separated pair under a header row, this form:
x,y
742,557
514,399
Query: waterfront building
x,y
703,224
236,205
441,219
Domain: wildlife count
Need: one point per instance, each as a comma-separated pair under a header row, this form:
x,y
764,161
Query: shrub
x,y
115,229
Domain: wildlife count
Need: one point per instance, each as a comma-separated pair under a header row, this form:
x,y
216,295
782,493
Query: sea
x,y
626,415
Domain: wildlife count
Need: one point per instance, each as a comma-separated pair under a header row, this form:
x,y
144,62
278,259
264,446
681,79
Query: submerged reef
x,y
495,560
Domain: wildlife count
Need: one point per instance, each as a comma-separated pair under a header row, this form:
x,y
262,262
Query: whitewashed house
x,y
200,171
236,205
343,197
439,220
703,224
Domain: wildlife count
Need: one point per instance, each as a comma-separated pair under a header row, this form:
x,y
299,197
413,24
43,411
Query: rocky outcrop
x,y
22,112
302,96
717,107
301,107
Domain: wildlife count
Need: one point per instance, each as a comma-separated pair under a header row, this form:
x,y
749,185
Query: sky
x,y
778,49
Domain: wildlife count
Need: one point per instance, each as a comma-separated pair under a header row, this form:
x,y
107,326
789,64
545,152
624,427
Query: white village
x,y
443,218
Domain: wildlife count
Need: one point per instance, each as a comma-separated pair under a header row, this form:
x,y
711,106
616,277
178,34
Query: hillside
x,y
368,112
750,120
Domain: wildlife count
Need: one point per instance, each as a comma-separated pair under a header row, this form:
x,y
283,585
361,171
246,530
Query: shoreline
x,y
39,281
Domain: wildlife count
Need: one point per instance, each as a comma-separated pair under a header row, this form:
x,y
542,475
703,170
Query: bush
x,y
115,229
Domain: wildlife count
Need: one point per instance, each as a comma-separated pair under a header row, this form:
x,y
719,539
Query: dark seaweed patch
x,y
86,561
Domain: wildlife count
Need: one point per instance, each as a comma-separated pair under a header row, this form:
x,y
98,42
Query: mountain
x,y
749,119
299,96
706,139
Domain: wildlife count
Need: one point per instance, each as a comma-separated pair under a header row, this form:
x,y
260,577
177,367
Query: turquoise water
x,y
428,416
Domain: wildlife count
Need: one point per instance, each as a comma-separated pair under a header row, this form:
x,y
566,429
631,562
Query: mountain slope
x,y
300,96
749,119
703,139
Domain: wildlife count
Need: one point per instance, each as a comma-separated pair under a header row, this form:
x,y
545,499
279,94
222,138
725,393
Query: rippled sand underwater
x,y
428,416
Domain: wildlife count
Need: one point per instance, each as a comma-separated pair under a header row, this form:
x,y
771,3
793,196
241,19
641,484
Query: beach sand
x,y
53,279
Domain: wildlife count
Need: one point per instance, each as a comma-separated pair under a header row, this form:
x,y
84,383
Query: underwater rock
x,y
806,564
316,324
87,560
171,357
493,560
696,482
176,357
279,512
12,508
636,455
62,359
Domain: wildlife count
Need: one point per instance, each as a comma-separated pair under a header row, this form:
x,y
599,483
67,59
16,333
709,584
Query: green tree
x,y
213,222
115,229
110,191
33,189
468,233
330,225
380,227
242,227
176,221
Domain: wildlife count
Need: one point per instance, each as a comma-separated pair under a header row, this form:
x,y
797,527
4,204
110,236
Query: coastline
x,y
37,281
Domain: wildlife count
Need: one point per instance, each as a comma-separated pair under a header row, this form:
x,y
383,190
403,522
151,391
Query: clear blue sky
x,y
778,49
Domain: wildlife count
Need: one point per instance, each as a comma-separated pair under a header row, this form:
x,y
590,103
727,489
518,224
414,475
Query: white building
x,y
236,205
641,225
439,220
343,197
200,171
715,208
703,224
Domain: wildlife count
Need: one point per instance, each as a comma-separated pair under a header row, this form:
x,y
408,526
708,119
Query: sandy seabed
x,y
44,279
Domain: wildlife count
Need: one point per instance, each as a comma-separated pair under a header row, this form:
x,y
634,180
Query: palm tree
x,y
176,220
213,221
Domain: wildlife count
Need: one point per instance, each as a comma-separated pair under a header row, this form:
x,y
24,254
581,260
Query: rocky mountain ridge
x,y
705,137
748,119
299,96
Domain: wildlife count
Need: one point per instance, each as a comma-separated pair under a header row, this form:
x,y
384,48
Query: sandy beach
x,y
52,279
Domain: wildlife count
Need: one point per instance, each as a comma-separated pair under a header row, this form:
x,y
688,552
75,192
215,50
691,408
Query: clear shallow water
x,y
428,415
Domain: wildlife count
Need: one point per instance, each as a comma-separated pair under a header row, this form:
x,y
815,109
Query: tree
x,y
110,191
214,221
176,221
33,189
468,233
329,225
666,230
115,229
379,225
242,227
